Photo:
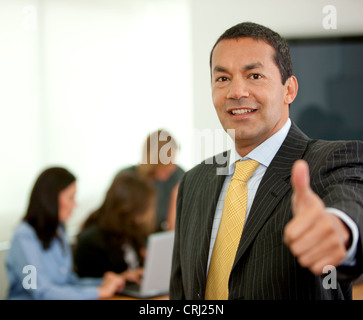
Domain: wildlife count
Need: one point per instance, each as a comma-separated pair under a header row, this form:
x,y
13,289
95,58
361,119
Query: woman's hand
x,y
112,283
133,275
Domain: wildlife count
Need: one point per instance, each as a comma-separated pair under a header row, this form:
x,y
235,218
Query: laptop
x,y
157,268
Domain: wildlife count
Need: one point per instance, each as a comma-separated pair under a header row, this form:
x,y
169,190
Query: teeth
x,y
242,111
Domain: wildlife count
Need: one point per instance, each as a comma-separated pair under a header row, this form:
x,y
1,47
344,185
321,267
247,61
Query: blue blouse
x,y
36,273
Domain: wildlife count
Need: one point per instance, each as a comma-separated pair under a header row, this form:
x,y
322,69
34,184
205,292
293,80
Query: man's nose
x,y
238,89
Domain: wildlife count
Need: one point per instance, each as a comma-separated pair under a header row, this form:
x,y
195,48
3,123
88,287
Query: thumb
x,y
300,181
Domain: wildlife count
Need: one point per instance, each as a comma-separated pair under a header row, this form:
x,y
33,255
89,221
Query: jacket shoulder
x,y
339,149
209,165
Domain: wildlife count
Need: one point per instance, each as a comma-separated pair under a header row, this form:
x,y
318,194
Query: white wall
x,y
82,82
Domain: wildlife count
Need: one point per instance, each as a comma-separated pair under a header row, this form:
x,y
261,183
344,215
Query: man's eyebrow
x,y
254,65
250,66
219,69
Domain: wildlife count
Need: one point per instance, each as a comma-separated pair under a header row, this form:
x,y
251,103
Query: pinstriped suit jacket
x,y
264,268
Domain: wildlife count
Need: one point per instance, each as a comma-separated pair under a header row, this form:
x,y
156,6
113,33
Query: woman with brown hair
x,y
114,236
158,165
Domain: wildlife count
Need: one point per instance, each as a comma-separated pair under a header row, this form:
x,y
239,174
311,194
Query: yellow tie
x,y
230,231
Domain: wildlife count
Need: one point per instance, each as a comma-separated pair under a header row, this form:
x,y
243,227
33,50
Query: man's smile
x,y
241,111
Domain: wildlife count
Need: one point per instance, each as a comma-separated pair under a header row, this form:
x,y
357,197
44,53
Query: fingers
x,y
137,275
302,192
319,245
133,275
307,207
314,236
111,284
306,214
300,179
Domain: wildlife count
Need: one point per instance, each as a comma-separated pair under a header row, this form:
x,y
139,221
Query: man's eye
x,y
255,76
222,79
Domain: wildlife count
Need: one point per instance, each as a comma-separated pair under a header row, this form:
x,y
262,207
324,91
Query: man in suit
x,y
305,199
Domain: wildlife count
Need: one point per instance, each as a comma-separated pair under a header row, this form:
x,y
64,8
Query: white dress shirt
x,y
264,154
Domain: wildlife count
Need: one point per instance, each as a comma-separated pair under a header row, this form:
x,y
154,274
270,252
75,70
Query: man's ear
x,y
291,89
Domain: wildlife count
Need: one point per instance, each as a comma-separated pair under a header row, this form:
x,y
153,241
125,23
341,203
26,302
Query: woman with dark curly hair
x,y
114,236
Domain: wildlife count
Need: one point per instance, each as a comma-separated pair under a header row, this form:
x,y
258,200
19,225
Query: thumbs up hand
x,y
316,237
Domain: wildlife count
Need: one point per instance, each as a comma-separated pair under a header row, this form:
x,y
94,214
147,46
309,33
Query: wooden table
x,y
121,297
358,291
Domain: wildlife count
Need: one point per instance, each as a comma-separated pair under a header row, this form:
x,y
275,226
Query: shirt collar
x,y
265,152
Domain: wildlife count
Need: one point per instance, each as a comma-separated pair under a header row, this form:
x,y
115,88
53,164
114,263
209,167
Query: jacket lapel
x,y
274,185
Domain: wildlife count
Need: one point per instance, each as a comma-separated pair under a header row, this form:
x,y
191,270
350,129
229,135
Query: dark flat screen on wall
x,y
329,104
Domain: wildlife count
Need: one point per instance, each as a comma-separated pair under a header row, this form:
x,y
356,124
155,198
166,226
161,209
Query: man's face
x,y
247,91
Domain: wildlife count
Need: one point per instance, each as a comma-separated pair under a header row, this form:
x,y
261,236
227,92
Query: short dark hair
x,y
42,212
258,32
